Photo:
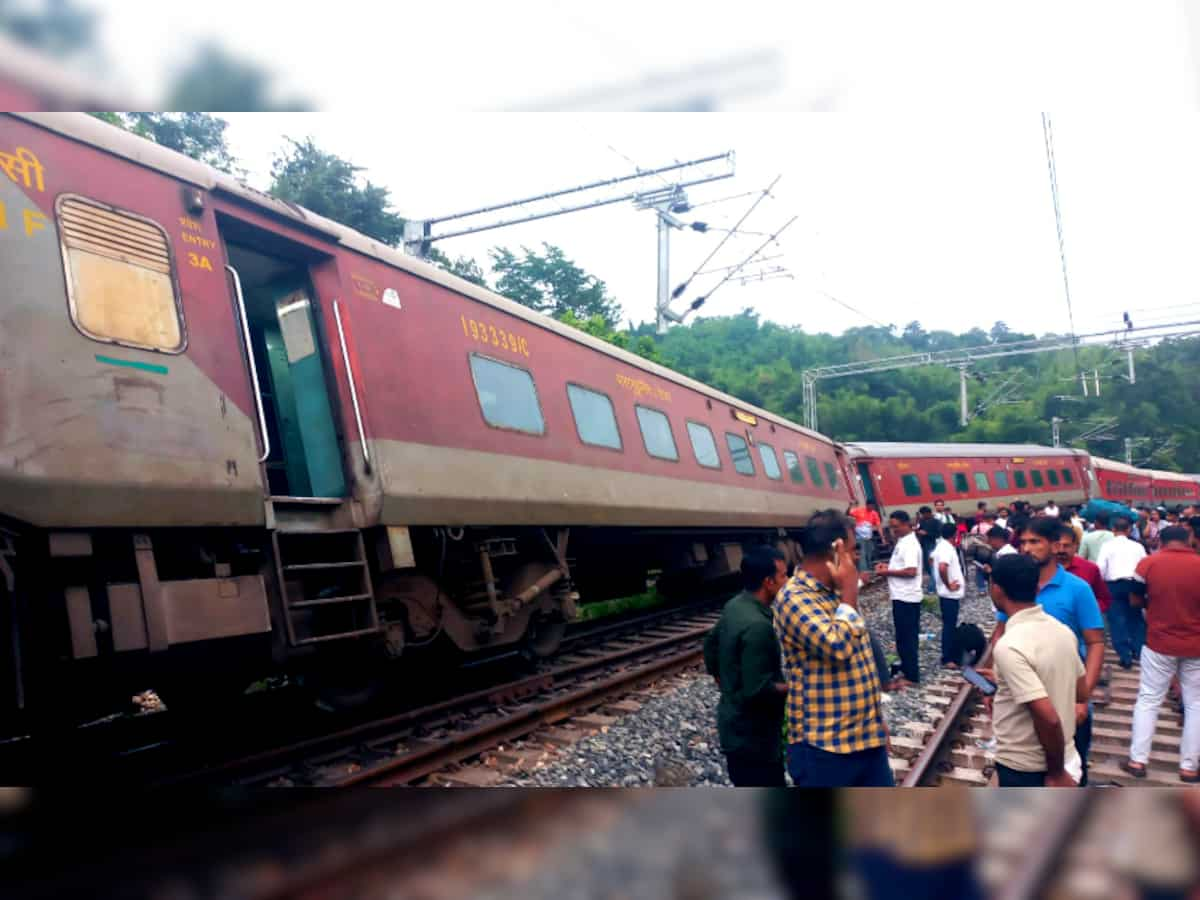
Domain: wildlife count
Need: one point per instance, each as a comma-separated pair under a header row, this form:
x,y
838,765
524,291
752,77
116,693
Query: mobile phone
x,y
978,680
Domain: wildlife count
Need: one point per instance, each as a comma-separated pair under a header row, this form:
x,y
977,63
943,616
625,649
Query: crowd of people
x,y
802,678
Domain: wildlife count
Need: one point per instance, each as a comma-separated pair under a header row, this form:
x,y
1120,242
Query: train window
x,y
703,445
937,483
960,482
1038,480
739,450
1053,476
594,417
912,485
1068,478
981,482
770,461
831,474
792,461
120,279
656,433
814,471
507,395
1002,481
1019,478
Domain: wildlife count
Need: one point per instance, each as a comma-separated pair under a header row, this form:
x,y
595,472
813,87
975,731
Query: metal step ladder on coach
x,y
321,564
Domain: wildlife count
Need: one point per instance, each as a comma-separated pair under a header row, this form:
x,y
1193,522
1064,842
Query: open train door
x,y
284,297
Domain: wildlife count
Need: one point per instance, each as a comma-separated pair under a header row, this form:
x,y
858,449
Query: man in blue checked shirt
x,y
836,733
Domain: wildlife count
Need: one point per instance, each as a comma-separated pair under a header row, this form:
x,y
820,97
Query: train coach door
x,y
864,478
277,300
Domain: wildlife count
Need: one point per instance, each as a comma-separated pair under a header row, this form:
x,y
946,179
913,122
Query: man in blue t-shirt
x,y
1069,599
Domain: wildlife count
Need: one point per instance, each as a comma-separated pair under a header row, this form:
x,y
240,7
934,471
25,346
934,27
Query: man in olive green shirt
x,y
742,654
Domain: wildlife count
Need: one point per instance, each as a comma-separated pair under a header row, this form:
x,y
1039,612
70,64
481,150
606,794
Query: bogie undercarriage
x,y
199,615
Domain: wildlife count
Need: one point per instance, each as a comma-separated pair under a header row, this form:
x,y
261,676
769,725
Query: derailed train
x,y
235,435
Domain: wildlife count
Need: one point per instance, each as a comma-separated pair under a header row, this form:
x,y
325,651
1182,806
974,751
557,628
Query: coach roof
x,y
92,131
904,450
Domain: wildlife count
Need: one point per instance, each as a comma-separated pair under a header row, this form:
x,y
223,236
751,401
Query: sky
x,y
947,219
908,139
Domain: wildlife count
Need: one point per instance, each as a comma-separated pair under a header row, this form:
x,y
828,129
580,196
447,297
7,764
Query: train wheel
x,y
544,636
545,631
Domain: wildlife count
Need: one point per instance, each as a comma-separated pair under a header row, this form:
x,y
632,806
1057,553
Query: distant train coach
x,y
1144,487
907,476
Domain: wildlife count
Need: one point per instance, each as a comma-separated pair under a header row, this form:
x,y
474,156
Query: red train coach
x,y
1123,483
906,476
1173,488
229,426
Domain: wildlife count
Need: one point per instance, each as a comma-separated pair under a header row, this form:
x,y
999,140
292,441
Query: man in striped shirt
x,y
836,733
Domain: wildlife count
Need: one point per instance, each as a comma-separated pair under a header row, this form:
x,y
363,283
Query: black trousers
x,y
907,619
949,624
1012,778
752,770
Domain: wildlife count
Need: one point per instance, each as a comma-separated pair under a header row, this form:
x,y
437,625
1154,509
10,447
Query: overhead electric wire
x,y
684,286
724,199
857,312
703,298
1048,139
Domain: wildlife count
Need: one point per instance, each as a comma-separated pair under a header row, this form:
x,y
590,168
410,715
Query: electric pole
x,y
1055,435
419,234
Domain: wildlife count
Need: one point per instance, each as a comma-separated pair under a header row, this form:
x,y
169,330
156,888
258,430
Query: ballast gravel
x,y
672,739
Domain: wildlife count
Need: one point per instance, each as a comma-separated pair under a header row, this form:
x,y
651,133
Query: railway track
x,y
413,745
953,747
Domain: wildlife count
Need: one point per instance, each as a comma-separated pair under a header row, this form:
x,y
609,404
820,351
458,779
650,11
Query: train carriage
x,y
1173,488
909,475
232,429
1123,483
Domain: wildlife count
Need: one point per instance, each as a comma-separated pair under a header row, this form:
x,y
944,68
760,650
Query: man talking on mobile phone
x,y
1039,678
836,732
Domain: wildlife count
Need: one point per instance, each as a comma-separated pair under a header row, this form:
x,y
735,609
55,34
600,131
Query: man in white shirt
x,y
948,573
940,512
903,573
1118,562
1051,509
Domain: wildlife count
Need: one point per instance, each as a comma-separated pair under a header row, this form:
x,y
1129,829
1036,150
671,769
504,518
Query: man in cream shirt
x,y
1039,679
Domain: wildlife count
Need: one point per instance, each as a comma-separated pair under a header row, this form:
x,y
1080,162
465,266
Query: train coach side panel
x,y
441,463
93,433
903,482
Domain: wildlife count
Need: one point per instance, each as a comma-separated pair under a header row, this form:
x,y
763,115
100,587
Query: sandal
x,y
1135,769
1189,778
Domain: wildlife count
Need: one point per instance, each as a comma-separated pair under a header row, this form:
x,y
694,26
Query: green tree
x,y
595,325
196,134
462,266
551,283
330,186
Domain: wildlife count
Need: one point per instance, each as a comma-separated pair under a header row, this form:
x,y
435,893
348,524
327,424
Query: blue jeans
x,y
981,579
811,766
1125,623
884,878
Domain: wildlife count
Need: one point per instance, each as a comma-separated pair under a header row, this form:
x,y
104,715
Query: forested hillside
x,y
761,362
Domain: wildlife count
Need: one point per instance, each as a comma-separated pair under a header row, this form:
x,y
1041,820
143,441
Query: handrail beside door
x,y
362,436
262,417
